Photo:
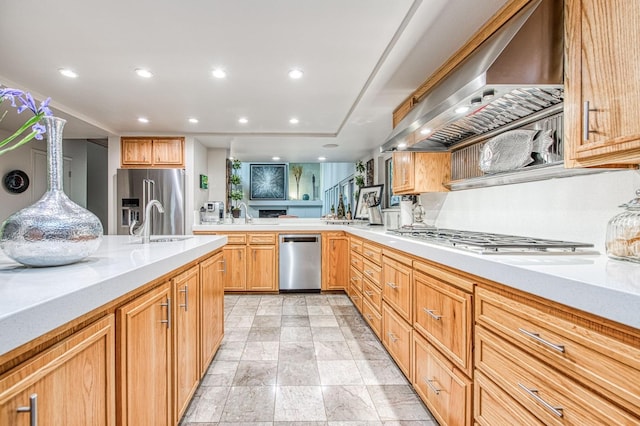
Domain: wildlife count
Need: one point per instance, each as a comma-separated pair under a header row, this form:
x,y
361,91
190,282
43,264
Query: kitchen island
x,y
133,322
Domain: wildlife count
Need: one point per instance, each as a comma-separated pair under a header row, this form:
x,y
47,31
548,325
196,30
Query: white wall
x,y
97,188
20,159
216,169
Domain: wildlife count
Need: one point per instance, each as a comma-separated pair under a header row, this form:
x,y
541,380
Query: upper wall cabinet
x,y
152,152
418,172
602,67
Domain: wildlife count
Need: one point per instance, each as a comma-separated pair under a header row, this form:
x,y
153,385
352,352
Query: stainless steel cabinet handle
x,y
431,314
534,394
32,409
537,338
368,253
392,285
224,266
368,272
168,306
368,293
185,291
392,337
432,386
585,120
369,317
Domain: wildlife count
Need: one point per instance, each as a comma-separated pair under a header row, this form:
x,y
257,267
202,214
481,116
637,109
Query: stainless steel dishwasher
x,y
300,262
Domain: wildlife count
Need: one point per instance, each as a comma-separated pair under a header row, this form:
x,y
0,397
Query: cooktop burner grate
x,y
489,243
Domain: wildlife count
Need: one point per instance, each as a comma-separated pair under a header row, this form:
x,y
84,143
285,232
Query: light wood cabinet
x,y
186,365
72,383
443,314
396,284
418,172
397,338
262,273
235,266
602,65
212,275
152,152
144,366
335,266
372,316
445,390
558,351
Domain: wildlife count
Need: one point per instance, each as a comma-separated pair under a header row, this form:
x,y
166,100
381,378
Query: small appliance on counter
x,y
375,214
212,212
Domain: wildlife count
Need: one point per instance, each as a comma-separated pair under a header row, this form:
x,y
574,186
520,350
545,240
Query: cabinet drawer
x,y
372,294
396,337
236,238
444,389
443,314
261,238
397,287
603,363
493,406
372,316
372,272
549,395
356,261
356,245
356,297
355,279
371,252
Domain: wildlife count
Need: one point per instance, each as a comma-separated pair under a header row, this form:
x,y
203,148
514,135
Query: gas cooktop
x,y
489,243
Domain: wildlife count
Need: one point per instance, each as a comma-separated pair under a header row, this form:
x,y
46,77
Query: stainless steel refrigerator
x,y
136,187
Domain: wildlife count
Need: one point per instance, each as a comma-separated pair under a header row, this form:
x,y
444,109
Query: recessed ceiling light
x,y
275,158
294,120
402,145
295,73
143,120
243,120
193,120
330,145
144,73
425,131
219,73
68,73
462,109
322,158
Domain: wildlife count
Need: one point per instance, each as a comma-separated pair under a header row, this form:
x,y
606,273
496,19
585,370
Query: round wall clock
x,y
16,181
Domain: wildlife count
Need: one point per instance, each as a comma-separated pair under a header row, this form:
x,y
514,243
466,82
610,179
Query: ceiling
x,y
360,58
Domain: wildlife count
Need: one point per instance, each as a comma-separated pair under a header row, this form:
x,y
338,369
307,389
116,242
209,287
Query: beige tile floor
x,y
302,359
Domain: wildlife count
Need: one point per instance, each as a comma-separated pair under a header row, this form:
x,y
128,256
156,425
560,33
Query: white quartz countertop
x,y
589,282
34,301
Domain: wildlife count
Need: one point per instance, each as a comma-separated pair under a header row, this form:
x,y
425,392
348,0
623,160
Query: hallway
x,y
302,359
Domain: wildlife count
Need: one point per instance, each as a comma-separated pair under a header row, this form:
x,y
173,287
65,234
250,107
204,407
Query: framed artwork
x,y
268,181
369,195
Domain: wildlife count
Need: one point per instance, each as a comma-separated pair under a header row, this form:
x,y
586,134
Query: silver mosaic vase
x,y
54,231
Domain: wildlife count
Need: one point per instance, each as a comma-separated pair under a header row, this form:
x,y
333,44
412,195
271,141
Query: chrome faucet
x,y
247,216
144,230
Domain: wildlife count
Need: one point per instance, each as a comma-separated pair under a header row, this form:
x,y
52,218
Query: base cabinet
x,y
144,368
397,337
71,384
335,267
212,275
445,390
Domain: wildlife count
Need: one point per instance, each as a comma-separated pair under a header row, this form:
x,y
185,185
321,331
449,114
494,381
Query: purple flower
x,y
39,129
27,102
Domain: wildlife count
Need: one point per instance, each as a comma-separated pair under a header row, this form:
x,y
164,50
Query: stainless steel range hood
x,y
514,73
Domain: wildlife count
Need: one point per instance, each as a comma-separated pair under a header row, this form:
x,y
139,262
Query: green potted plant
x,y
359,178
236,193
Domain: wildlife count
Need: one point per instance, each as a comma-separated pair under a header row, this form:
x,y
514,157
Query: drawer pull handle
x,y
185,291
432,386
431,314
536,337
168,306
368,272
393,285
368,253
368,293
534,394
369,317
32,409
392,337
